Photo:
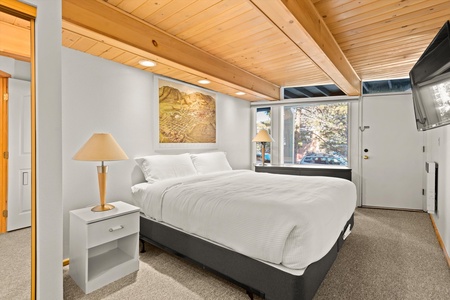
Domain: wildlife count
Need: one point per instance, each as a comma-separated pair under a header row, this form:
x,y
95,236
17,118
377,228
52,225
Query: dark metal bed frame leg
x,y
250,294
143,246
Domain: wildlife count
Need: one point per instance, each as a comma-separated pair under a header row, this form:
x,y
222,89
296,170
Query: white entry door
x,y
19,162
392,151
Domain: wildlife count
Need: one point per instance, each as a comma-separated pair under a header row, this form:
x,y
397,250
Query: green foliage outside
x,y
320,130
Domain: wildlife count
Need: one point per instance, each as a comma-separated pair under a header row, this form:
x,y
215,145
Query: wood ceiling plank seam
x,y
167,11
125,56
407,30
334,8
258,35
200,17
422,32
377,32
331,4
262,43
383,45
185,14
245,31
250,53
403,20
130,6
211,35
69,38
366,14
225,29
148,8
394,53
98,49
211,22
111,53
374,58
134,62
388,69
104,18
285,61
361,8
371,17
263,39
380,63
114,2
83,44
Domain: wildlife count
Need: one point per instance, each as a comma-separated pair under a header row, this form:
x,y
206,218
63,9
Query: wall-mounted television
x,y
430,83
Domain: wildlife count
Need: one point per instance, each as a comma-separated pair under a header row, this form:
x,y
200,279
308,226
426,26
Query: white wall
x,y
103,96
49,164
438,150
16,68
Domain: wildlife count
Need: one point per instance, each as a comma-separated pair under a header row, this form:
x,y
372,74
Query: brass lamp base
x,y
104,207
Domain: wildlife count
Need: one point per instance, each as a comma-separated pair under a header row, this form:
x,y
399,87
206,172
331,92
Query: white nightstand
x,y
103,245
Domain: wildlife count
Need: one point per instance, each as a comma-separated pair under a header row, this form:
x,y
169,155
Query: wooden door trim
x,y
3,148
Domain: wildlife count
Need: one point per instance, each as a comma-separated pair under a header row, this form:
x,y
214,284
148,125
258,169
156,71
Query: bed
x,y
274,235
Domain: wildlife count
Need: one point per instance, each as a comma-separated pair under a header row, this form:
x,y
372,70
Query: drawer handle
x,y
115,228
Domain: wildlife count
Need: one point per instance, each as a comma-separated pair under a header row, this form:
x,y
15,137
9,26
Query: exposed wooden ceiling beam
x,y
301,22
103,19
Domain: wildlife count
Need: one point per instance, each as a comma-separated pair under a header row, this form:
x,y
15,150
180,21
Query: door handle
x,y
366,157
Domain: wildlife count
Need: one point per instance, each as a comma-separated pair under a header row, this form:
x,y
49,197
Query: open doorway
x,y
17,54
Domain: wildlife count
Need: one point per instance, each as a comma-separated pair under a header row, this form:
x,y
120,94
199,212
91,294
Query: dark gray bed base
x,y
252,275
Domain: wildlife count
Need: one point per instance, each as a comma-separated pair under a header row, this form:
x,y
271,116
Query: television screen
x,y
432,103
430,83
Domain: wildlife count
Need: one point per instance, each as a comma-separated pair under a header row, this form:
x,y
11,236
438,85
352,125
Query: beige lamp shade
x,y
263,136
101,147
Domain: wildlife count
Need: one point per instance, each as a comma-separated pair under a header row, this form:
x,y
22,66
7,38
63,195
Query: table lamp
x,y
101,147
263,137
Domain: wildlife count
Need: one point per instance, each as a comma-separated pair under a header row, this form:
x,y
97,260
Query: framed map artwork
x,y
186,115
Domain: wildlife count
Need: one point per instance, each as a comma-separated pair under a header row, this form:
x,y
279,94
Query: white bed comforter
x,y
281,219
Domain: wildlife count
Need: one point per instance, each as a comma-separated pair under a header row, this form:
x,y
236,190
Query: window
x,y
386,86
263,121
316,134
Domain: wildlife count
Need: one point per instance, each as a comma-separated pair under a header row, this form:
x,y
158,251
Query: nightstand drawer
x,y
112,229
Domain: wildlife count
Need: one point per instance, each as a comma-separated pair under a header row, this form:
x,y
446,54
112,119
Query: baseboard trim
x,y
392,208
66,262
441,242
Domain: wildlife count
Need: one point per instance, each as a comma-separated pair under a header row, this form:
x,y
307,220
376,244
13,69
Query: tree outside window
x,y
316,134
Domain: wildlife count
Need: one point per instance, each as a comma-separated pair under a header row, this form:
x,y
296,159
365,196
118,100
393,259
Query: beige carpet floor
x,y
15,264
389,255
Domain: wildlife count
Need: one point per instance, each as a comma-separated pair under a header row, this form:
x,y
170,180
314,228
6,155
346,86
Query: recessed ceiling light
x,y
204,81
240,93
147,63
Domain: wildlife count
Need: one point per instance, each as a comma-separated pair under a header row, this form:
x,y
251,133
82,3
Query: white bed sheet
x,y
281,219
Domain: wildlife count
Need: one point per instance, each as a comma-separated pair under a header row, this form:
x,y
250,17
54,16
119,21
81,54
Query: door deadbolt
x,y
366,157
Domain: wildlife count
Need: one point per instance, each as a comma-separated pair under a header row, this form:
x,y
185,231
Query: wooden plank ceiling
x,y
258,46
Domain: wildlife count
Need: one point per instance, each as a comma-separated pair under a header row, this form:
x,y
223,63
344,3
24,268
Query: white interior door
x,y
393,164
19,162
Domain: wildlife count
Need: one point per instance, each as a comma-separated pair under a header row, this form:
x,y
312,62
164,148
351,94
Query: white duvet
x,y
288,220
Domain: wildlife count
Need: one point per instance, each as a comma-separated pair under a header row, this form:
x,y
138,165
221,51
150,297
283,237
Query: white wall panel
x,y
104,96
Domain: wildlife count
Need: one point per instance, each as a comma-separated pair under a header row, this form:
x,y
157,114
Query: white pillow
x,y
210,162
160,167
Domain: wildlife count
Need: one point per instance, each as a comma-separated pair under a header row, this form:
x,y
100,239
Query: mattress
x,y
284,220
